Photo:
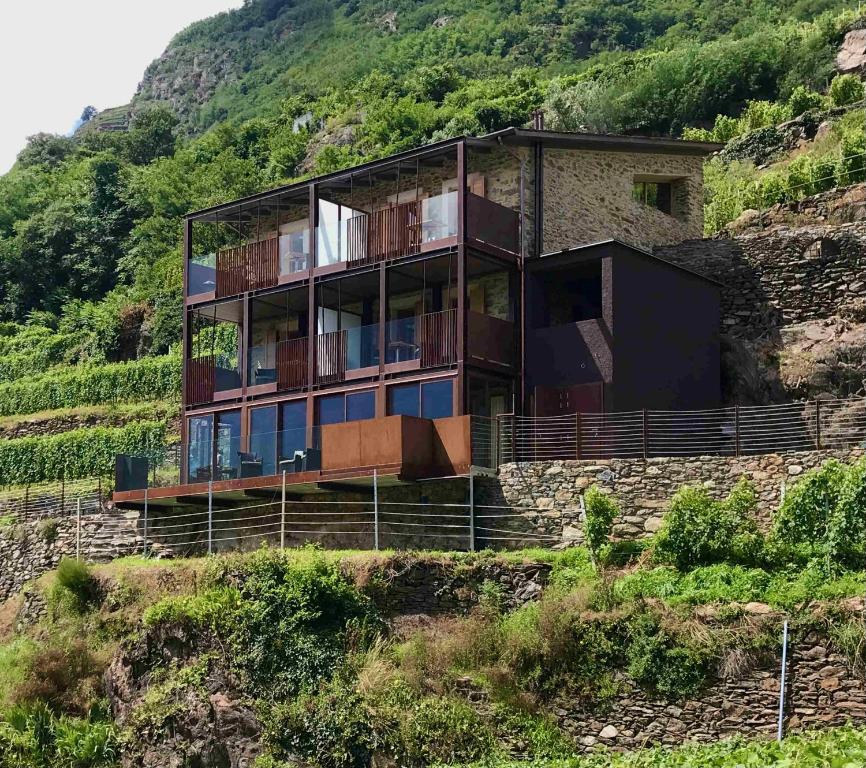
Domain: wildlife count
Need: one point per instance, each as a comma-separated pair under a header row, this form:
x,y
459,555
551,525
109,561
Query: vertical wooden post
x,y
375,510
210,517
283,514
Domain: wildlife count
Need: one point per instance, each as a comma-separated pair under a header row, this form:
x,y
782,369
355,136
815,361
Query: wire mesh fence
x,y
734,431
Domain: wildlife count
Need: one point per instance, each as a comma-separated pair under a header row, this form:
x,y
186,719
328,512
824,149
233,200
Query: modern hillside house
x,y
382,317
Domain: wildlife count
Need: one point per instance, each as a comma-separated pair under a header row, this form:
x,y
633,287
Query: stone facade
x,y
551,491
588,197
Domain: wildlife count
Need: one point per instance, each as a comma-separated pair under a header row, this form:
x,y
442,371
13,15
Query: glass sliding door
x,y
199,457
293,433
228,445
263,442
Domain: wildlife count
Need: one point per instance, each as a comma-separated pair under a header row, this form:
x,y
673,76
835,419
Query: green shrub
x,y
845,89
802,99
80,453
153,378
699,530
600,512
74,578
657,662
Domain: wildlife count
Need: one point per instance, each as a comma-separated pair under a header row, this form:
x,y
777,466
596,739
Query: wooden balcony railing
x,y
292,364
331,357
200,379
437,337
385,234
247,267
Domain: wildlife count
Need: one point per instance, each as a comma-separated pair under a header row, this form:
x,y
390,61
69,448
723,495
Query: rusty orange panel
x,y
417,442
341,446
381,441
452,447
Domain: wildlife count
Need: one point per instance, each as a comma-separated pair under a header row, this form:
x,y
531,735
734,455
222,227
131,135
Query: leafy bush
x,y
699,530
845,89
660,663
79,453
74,577
146,379
600,511
802,99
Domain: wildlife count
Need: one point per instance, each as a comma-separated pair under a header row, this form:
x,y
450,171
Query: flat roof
x,y
512,136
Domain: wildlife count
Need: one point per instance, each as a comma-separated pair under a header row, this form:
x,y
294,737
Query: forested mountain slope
x,y
89,225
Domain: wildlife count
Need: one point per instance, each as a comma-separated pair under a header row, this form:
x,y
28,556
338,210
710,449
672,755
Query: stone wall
x,y
780,276
33,545
822,691
588,197
551,491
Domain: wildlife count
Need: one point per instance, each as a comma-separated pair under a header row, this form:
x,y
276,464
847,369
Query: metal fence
x,y
59,499
735,431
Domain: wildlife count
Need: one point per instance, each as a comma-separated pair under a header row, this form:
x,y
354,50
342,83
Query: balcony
x,y
210,378
490,340
423,341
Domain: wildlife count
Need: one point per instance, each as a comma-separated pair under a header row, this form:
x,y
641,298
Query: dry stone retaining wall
x,y
642,487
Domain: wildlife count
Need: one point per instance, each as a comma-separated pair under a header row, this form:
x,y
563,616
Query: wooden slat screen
x,y
248,267
331,357
388,233
200,379
437,336
292,364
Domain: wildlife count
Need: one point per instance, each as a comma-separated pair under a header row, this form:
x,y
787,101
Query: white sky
x,y
57,57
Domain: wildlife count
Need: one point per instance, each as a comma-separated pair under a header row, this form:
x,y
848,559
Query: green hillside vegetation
x,y
89,225
300,634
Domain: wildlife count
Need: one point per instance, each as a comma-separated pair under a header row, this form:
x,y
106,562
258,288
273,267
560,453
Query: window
x,y
360,406
293,432
655,194
354,406
263,442
199,448
437,399
432,400
228,445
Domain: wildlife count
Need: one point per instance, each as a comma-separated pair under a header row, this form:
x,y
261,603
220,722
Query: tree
x,y
151,135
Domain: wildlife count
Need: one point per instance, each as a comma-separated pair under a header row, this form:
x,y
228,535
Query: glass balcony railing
x,y
402,342
262,364
430,338
202,274
362,347
295,252
439,217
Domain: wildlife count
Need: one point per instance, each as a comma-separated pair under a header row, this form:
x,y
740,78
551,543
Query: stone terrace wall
x,y
781,275
822,692
33,546
642,487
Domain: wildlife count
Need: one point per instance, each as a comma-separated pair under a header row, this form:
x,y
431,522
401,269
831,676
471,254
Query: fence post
x,y
736,430
577,445
283,514
818,424
26,499
144,546
78,530
375,510
210,517
645,436
780,731
62,493
513,437
471,510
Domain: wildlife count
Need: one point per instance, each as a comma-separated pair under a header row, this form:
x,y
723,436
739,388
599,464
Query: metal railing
x,y
735,431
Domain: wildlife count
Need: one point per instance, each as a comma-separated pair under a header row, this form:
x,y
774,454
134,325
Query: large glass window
x,y
228,445
262,458
293,434
331,409
360,406
403,400
199,448
437,399
431,400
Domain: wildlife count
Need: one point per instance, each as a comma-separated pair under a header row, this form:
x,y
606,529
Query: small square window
x,y
654,194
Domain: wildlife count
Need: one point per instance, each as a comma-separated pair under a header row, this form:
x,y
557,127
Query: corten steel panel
x,y
417,442
452,445
491,223
490,339
341,446
382,441
574,353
